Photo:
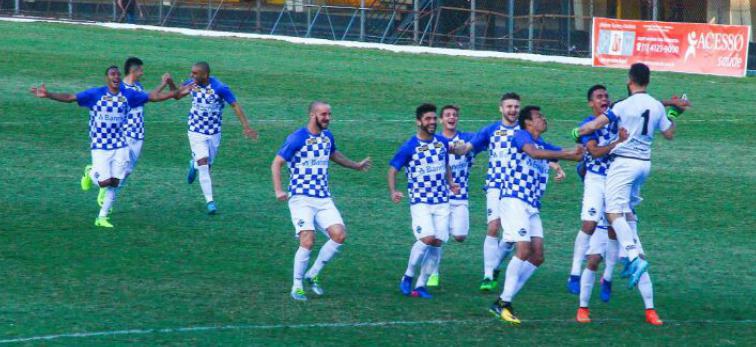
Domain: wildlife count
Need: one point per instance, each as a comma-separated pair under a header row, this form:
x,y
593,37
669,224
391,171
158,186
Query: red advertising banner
x,y
683,47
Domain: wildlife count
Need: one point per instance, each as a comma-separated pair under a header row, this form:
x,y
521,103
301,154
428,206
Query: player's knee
x,y
493,228
523,252
337,234
306,239
589,227
536,259
105,183
593,262
437,243
428,240
202,161
460,238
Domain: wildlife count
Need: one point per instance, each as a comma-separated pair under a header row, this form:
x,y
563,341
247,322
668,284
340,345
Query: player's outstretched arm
x,y
597,151
41,92
341,159
396,196
248,131
157,95
573,155
275,169
560,175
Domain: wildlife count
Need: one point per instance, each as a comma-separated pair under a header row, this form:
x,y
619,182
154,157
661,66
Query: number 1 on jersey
x,y
645,122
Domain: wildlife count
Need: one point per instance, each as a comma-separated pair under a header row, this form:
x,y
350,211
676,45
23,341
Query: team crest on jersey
x,y
500,133
210,91
423,148
438,145
522,232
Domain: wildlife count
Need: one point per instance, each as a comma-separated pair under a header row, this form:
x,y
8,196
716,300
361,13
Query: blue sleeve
x,y
135,98
481,139
88,97
522,138
292,144
402,157
551,147
225,92
611,115
188,82
333,141
586,138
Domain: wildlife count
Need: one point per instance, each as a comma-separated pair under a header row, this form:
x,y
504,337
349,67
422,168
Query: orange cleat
x,y
652,317
584,315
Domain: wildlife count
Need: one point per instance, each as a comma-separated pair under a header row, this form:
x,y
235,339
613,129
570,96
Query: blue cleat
x,y
421,292
192,174
625,273
211,208
606,290
638,267
405,286
573,284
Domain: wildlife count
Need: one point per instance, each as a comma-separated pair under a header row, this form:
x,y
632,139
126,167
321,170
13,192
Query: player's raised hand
x,y
250,133
623,135
364,165
281,195
167,78
40,92
459,148
454,188
396,196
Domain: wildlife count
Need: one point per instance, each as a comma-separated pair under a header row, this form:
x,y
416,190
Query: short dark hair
x,y
526,114
640,74
203,65
449,107
109,68
314,104
130,63
423,109
593,89
510,96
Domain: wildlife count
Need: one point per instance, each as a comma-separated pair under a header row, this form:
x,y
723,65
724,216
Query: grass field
x,y
168,265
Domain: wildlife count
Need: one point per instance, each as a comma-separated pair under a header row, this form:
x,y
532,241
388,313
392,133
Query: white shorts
x,y
598,242
624,180
204,146
109,164
430,220
493,196
459,220
135,150
593,197
308,213
520,220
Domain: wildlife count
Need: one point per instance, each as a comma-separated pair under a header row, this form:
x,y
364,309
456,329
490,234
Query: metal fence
x,y
557,27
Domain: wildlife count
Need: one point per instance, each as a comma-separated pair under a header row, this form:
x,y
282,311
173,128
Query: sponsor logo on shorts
x,y
630,247
97,174
522,232
300,223
489,211
592,211
419,229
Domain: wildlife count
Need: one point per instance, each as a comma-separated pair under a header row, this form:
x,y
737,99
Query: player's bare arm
x,y
341,159
248,131
560,174
396,196
597,151
41,92
275,169
592,126
573,155
453,187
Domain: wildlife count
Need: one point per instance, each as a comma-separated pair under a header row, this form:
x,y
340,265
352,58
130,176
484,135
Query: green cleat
x,y
298,294
487,285
103,222
101,196
86,181
432,281
314,283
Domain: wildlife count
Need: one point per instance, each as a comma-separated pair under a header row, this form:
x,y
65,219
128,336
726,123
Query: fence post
x,y
530,26
362,20
472,24
258,7
511,26
17,7
569,27
415,20
655,10
160,12
115,13
209,13
70,9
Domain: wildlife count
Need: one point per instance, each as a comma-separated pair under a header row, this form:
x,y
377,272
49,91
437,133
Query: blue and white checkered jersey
x,y
461,164
208,101
134,127
526,177
107,114
603,137
497,138
307,156
425,165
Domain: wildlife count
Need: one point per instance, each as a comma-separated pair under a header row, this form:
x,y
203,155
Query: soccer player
x,y
108,109
497,139
307,152
459,218
642,116
524,184
209,97
425,158
595,162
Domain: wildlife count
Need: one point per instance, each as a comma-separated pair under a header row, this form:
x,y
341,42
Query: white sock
x,y
301,258
325,254
581,246
612,248
510,283
586,286
490,256
646,289
110,196
633,226
205,182
625,237
416,255
438,261
526,270
429,265
504,249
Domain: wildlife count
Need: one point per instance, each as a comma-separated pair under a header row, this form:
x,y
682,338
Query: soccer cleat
x,y
638,267
496,274
625,273
487,285
101,196
606,290
103,222
583,315
653,318
496,307
211,208
192,174
314,283
298,294
405,286
432,281
573,284
507,315
421,292
86,181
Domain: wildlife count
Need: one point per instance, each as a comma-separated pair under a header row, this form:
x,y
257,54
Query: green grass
x,y
169,265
